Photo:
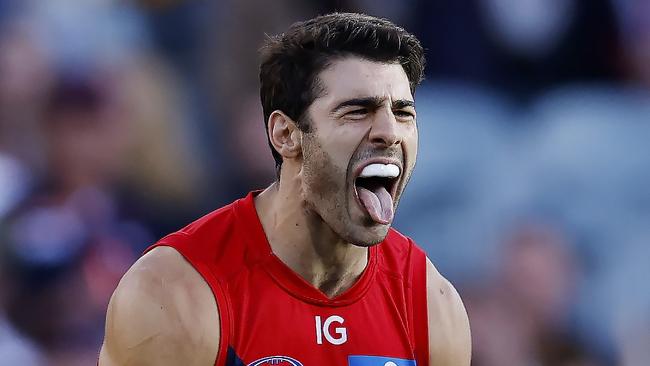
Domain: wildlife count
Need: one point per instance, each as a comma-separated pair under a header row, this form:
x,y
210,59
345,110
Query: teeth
x,y
380,170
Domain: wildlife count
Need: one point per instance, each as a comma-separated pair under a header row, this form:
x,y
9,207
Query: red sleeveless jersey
x,y
269,315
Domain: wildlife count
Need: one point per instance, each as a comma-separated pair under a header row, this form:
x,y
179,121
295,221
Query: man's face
x,y
361,149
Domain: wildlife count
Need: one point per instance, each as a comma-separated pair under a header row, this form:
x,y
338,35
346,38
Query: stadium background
x,y
123,120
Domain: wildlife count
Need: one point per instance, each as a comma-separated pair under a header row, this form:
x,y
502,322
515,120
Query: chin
x,y
368,236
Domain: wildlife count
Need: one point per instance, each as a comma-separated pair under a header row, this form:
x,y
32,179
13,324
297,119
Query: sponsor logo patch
x,y
379,361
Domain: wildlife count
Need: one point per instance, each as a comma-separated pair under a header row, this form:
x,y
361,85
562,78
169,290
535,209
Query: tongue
x,y
378,202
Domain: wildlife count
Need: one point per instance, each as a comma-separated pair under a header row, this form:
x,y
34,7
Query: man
x,y
307,272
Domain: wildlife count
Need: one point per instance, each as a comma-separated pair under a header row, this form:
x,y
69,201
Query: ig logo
x,y
325,329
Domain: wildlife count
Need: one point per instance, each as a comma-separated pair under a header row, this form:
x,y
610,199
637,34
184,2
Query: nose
x,y
384,131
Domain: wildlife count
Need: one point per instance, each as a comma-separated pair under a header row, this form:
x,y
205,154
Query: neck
x,y
306,244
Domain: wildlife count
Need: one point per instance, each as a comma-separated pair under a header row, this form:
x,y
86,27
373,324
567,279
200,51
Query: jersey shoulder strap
x,y
180,242
401,256
420,325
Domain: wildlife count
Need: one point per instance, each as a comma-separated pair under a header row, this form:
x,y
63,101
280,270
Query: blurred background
x,y
121,121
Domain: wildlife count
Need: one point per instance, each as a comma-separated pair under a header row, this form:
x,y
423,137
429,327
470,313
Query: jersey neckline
x,y
284,276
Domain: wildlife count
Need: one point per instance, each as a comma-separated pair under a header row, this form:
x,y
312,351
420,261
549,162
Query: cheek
x,y
341,143
320,167
411,145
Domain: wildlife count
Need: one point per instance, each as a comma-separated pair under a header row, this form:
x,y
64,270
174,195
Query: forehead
x,y
353,77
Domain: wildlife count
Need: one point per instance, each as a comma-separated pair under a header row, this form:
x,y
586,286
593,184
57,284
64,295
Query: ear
x,y
284,135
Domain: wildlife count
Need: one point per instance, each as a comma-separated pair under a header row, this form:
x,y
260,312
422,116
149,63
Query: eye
x,y
357,113
404,115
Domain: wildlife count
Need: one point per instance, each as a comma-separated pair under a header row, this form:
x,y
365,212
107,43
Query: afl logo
x,y
276,360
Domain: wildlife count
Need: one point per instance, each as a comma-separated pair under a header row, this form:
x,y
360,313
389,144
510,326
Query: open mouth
x,y
375,187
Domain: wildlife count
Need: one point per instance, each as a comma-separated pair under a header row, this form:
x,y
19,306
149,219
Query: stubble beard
x,y
326,193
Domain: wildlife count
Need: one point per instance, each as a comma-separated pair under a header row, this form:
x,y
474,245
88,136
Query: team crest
x,y
276,360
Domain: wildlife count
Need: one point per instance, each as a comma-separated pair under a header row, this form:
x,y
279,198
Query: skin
x,y
312,219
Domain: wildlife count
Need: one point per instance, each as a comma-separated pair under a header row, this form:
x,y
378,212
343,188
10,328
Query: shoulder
x,y
161,313
213,223
449,332
397,252
210,241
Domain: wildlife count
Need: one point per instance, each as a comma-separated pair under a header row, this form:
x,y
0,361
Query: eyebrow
x,y
371,103
403,103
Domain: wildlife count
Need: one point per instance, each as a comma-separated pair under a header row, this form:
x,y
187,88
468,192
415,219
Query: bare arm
x,y
449,334
162,313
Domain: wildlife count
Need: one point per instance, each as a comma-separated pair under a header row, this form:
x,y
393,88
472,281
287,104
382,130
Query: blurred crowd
x,y
121,121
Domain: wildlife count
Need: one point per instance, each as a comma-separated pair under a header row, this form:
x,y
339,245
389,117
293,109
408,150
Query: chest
x,y
272,326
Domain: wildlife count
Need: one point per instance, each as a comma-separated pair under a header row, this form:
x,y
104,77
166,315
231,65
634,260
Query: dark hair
x,y
291,61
